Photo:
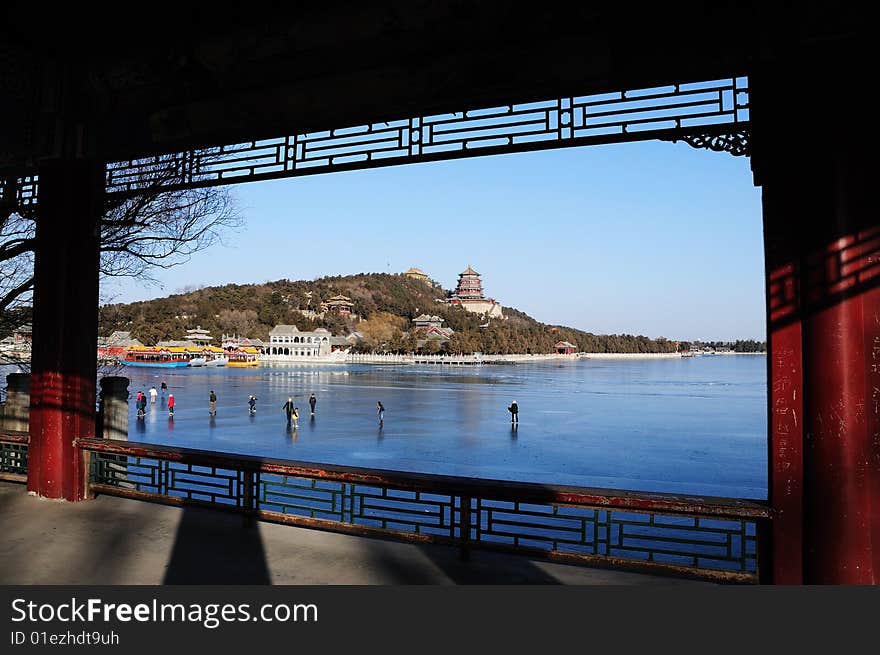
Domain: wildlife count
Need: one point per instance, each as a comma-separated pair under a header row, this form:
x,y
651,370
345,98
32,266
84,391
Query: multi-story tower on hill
x,y
469,294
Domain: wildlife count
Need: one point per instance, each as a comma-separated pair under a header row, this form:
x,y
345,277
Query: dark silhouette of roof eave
x,y
180,76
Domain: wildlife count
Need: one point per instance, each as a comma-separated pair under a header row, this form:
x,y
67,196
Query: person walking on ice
x,y
312,402
212,405
295,416
380,411
252,404
288,409
171,405
153,394
514,412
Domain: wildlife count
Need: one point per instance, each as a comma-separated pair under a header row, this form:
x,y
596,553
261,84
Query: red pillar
x,y
783,202
842,448
822,246
64,360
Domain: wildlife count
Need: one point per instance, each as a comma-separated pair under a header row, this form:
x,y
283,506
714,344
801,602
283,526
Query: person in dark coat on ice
x,y
514,412
288,409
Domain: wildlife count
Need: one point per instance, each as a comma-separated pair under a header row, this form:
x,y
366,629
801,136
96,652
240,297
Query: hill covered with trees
x,y
385,305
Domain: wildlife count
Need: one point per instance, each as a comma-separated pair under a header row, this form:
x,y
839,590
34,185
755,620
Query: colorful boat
x,y
243,357
156,357
215,356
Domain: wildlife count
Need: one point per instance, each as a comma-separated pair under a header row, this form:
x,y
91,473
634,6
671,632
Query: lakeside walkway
x,y
113,540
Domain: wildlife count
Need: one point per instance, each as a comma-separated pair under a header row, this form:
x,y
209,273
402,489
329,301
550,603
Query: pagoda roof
x,y
469,271
417,271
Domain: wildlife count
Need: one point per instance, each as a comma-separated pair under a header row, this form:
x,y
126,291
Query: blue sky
x,y
646,238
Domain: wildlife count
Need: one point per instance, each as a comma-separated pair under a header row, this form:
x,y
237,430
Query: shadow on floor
x,y
447,567
216,548
487,568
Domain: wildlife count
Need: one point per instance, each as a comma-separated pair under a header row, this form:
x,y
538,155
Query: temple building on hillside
x,y
340,305
424,321
469,294
418,274
433,329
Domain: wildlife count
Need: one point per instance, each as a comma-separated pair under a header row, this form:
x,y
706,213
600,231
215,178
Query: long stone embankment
x,y
454,360
478,360
630,356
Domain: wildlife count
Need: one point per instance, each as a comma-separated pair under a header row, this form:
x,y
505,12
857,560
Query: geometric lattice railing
x,y
705,537
13,457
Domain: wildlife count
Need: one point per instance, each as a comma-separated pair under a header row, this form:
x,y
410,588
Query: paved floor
x,y
119,541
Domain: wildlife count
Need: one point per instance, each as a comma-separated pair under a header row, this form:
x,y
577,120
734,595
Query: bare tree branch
x,y
154,229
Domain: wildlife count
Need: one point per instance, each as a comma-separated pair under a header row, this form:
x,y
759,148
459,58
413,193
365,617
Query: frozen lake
x,y
694,425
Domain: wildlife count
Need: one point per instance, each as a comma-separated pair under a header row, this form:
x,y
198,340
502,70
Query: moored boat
x,y
156,357
215,356
243,358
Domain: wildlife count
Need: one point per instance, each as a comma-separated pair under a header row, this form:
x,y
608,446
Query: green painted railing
x,y
713,538
13,457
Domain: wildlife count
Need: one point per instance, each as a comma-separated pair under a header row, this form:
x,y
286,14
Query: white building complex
x,y
288,344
